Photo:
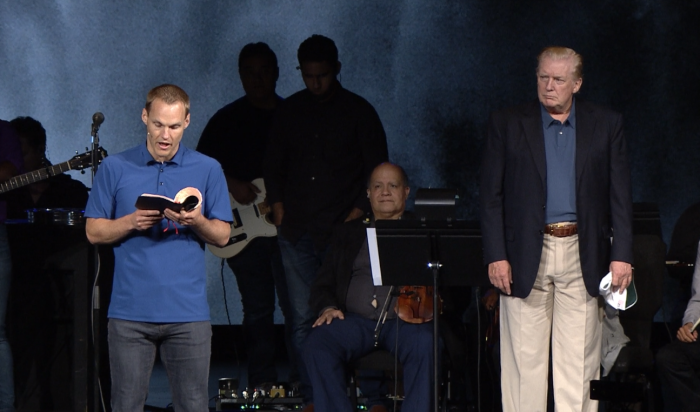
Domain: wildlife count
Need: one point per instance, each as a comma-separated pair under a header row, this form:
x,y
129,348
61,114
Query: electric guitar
x,y
249,221
78,162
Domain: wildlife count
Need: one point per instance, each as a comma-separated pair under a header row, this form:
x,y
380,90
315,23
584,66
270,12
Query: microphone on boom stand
x,y
97,398
97,120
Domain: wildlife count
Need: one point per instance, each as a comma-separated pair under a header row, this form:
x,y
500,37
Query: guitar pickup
x,y
236,239
236,219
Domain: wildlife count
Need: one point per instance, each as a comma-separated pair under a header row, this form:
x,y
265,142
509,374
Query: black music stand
x,y
427,252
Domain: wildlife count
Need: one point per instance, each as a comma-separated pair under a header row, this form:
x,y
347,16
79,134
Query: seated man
x,y
679,361
349,305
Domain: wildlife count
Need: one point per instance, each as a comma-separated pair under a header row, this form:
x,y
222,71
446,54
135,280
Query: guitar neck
x,y
35,176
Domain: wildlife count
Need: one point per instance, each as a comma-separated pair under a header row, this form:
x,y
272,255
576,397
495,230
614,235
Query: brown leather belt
x,y
561,229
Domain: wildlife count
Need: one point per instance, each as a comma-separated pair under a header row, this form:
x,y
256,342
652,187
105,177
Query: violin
x,y
415,304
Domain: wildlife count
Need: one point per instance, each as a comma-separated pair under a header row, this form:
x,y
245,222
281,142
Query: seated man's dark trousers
x,y
329,348
678,365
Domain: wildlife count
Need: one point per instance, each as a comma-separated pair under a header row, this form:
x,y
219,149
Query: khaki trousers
x,y
558,306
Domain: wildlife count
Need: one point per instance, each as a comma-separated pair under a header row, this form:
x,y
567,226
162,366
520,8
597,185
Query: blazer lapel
x,y
532,129
585,132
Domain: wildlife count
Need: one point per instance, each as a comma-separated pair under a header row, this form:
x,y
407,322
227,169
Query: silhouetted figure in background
x,y
10,165
237,136
60,191
42,295
324,144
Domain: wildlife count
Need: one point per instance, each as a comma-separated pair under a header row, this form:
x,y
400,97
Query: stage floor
x,y
159,396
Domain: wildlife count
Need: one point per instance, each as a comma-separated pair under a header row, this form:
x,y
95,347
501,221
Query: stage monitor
x,y
435,204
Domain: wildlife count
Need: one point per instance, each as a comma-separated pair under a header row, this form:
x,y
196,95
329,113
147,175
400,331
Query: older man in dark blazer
x,y
556,216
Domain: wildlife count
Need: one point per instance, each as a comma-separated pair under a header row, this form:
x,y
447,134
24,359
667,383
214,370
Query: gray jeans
x,y
185,349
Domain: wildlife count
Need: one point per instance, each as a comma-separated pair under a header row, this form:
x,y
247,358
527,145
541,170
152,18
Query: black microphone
x,y
97,120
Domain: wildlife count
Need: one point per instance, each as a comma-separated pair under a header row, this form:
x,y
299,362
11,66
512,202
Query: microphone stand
x,y
97,120
382,316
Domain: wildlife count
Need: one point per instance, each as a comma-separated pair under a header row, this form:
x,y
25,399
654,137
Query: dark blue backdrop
x,y
433,70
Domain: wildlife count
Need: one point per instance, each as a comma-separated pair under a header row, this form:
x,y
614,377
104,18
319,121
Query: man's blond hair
x,y
170,94
562,53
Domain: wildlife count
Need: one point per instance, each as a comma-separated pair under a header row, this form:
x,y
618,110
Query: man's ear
x,y
338,65
577,84
144,116
187,120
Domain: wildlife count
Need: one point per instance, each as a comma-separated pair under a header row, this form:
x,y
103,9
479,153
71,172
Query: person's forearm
x,y
692,311
214,231
230,181
107,231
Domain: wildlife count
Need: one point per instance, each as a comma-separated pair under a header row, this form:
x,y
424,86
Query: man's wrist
x,y
326,309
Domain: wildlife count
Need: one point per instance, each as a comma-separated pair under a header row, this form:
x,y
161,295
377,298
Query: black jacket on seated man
x,y
333,280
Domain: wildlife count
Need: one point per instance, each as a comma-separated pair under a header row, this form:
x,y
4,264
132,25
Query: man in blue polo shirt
x,y
159,294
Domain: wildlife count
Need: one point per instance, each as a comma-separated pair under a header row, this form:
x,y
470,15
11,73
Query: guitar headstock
x,y
83,161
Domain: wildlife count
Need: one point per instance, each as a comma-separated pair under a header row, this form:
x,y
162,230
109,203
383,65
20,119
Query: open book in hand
x,y
188,199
